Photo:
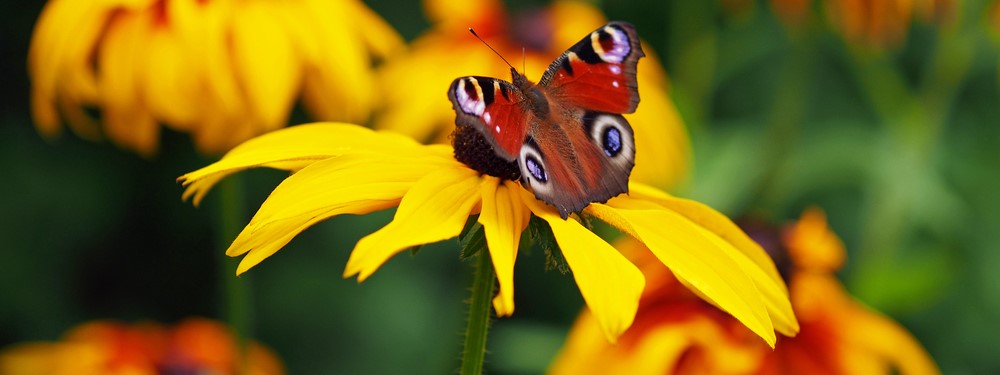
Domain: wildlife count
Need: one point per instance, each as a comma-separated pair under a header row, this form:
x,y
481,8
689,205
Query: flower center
x,y
769,237
473,150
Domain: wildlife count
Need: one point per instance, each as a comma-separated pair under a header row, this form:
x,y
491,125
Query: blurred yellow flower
x,y
677,333
194,346
220,70
416,103
346,169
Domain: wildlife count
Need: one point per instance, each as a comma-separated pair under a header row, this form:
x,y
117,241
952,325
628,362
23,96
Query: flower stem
x,y
478,321
235,291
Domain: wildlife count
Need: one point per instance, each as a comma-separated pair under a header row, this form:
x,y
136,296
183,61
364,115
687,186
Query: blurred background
x,y
883,113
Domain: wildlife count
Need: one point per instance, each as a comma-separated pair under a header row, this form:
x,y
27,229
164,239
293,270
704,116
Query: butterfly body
x,y
566,133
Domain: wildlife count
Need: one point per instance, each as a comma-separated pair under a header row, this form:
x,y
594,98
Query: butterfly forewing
x,y
598,72
493,106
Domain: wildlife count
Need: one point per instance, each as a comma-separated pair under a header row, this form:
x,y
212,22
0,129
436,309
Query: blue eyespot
x,y
612,140
535,168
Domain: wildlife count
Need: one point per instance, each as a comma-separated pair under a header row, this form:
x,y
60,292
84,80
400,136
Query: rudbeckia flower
x,y
416,105
676,332
194,346
346,169
220,70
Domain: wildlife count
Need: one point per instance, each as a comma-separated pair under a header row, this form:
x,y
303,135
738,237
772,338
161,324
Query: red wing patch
x,y
493,106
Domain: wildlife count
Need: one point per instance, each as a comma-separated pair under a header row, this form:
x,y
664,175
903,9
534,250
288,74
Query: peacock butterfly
x,y
566,134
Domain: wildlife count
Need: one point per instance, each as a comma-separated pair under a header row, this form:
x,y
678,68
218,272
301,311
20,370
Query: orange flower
x,y
195,346
415,83
675,332
873,23
220,70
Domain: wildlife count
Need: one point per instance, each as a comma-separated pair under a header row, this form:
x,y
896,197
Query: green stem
x,y
235,291
478,321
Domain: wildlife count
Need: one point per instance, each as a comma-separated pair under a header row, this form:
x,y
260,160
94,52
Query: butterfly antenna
x,y
490,47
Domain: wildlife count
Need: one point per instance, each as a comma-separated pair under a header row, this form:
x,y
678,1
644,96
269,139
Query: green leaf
x,y
541,234
473,239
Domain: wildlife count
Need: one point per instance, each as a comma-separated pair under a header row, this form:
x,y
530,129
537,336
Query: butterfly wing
x,y
587,152
496,108
598,72
577,148
589,163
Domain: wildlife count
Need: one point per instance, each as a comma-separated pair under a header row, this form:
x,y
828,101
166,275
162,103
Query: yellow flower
x,y
194,346
416,103
346,169
676,332
220,70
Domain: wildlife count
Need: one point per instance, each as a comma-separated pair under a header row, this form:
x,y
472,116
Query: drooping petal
x,y
59,58
265,62
128,121
889,343
436,208
610,284
503,217
167,80
295,147
379,37
339,85
740,247
694,257
355,183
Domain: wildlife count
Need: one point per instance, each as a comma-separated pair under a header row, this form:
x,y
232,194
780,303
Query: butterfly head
x,y
534,95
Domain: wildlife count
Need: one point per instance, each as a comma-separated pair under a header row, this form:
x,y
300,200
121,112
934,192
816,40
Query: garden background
x,y
893,133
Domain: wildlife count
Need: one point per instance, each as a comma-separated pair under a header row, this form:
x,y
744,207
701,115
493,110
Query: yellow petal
x,y
318,192
573,20
887,341
738,246
503,217
435,209
265,62
609,283
225,116
295,147
379,37
127,121
169,83
460,12
419,107
696,258
340,84
662,149
59,58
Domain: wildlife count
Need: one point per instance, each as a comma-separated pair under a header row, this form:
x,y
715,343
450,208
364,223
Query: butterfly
x,y
566,133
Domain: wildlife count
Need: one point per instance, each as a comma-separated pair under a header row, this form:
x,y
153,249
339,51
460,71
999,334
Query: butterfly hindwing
x,y
495,108
598,73
571,167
